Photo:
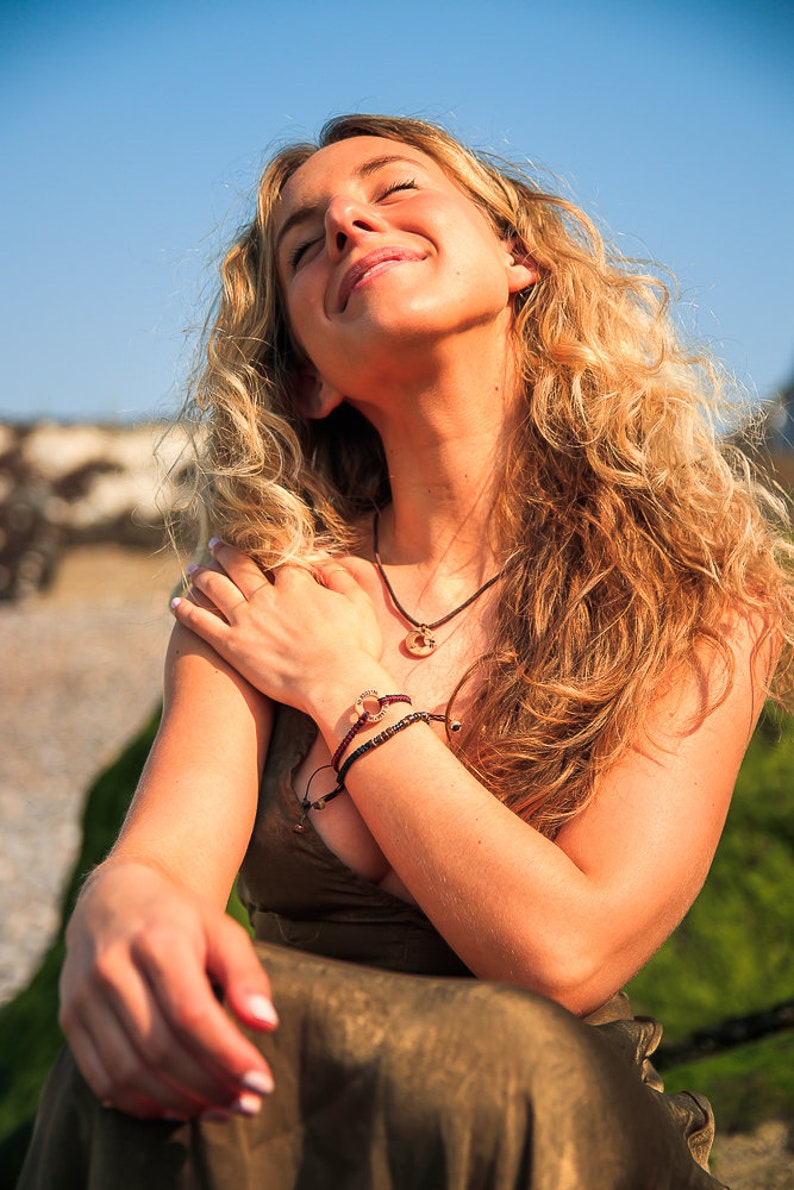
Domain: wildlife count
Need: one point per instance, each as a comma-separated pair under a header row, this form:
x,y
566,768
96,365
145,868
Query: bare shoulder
x,y
696,732
729,672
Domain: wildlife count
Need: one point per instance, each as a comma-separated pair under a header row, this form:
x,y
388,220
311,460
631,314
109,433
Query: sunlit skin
x,y
409,325
419,341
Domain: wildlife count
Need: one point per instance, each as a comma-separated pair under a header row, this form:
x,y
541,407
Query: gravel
x,y
81,672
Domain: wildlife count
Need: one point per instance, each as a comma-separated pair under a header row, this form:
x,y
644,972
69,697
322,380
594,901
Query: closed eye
x,y
299,249
407,184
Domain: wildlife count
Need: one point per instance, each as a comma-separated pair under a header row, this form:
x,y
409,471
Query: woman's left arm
x,y
573,919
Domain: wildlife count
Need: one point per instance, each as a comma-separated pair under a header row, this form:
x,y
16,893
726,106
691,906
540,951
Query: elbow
x,y
574,975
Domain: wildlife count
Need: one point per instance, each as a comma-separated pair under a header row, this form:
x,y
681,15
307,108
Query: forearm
x,y
508,900
190,825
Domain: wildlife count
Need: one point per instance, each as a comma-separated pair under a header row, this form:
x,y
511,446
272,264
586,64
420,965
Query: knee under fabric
x,y
400,1082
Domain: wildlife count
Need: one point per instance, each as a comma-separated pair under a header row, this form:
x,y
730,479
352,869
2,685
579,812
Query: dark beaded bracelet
x,y
382,737
307,805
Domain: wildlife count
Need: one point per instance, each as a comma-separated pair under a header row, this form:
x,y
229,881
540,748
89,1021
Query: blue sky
x,y
132,136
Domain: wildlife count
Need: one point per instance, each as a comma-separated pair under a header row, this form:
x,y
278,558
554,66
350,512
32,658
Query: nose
x,y
347,221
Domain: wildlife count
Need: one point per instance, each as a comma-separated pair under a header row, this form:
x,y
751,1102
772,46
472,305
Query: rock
x,y
65,486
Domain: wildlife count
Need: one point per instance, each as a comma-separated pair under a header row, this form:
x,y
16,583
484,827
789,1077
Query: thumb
x,y
232,963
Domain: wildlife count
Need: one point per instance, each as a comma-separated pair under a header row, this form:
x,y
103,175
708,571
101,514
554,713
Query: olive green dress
x,y
395,1069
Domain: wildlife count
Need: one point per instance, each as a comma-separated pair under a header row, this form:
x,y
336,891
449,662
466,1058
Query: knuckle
x,y
190,1017
105,972
147,944
154,944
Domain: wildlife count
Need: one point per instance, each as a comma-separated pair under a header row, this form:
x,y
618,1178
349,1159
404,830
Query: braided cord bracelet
x,y
307,805
363,717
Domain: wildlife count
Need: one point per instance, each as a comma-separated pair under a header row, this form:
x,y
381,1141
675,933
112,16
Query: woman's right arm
x,y
149,937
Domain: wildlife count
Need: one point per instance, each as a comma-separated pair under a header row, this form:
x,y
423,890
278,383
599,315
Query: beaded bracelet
x,y
364,717
386,734
375,742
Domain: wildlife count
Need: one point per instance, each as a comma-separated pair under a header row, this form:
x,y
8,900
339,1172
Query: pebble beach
x,y
81,672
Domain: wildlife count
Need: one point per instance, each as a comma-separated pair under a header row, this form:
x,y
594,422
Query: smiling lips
x,y
369,264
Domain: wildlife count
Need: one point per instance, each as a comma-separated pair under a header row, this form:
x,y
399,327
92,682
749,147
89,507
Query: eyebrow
x,y
301,214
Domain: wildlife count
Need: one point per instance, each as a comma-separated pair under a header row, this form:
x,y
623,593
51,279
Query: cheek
x,y
304,311
473,246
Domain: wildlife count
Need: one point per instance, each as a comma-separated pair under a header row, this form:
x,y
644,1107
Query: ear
x,y
522,270
315,397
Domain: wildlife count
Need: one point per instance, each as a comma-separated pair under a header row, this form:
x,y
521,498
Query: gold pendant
x,y
420,641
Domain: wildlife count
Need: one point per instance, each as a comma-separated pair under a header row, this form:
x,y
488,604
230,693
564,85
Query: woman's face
x,y
380,256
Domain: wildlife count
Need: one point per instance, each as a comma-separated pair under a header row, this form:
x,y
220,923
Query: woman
x,y
498,620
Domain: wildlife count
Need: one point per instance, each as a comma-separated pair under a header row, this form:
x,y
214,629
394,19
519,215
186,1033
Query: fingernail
x,y
246,1105
192,568
216,1115
213,542
258,1081
260,1007
175,602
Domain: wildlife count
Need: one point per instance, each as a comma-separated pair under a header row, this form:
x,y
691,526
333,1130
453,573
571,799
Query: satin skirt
x,y
389,1081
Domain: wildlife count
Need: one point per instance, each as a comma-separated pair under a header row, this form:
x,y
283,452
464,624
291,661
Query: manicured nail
x,y
262,1009
257,1081
192,568
246,1105
216,1115
175,602
214,541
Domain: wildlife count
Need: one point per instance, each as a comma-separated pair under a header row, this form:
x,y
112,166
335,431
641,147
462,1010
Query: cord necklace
x,y
420,641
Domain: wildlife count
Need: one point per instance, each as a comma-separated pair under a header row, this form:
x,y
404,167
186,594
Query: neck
x,y
445,441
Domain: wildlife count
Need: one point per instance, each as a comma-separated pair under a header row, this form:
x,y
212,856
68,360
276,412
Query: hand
x,y
286,632
138,1008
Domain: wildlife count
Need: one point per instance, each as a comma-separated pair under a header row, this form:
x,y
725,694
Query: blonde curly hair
x,y
627,525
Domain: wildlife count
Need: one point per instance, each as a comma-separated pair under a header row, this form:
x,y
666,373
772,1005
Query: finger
x,y
232,962
209,624
170,1071
330,574
246,574
229,592
217,586
337,577
95,1073
360,570
200,600
333,575
201,1026
141,1056
99,1076
121,1077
